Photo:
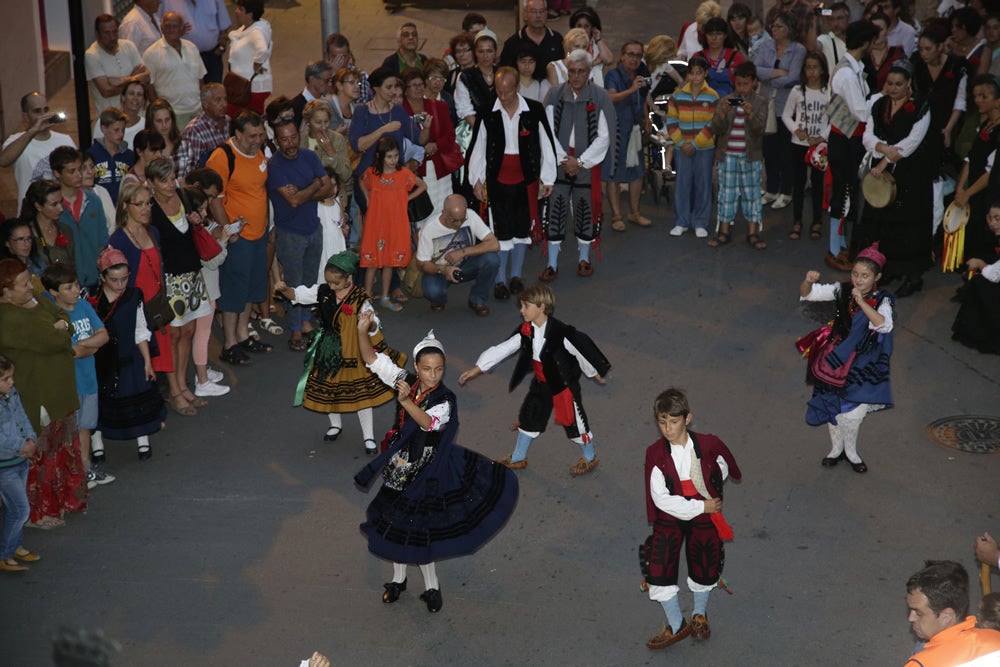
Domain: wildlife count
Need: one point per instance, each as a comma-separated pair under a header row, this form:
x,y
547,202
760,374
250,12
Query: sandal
x,y
251,331
183,410
298,344
399,296
617,223
234,356
389,304
754,241
47,522
721,239
252,345
270,326
816,230
194,400
796,232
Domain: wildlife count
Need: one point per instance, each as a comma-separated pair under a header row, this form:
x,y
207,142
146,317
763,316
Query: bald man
x,y
176,69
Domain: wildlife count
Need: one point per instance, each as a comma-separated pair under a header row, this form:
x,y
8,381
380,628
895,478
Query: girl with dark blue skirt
x,y
438,499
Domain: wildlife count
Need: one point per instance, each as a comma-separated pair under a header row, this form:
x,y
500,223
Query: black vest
x,y
533,127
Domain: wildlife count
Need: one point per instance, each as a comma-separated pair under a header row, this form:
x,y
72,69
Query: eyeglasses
x,y
436,78
21,239
146,203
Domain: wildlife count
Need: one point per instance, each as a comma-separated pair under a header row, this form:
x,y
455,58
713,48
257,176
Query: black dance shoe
x,y
830,461
859,467
432,597
392,591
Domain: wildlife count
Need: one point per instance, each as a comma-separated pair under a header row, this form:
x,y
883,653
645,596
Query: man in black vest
x,y
513,163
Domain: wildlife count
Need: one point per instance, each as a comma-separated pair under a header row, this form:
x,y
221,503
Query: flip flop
x,y
389,304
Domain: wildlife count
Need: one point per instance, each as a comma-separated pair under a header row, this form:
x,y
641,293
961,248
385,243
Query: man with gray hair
x,y
581,116
319,75
406,57
176,69
547,43
208,130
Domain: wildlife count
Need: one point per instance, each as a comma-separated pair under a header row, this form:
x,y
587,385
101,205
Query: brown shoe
x,y
699,627
26,556
585,269
840,262
548,275
583,466
480,309
639,219
11,565
668,638
513,465
437,307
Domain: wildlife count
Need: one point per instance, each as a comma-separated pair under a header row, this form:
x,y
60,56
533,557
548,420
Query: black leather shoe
x,y
332,433
516,285
859,467
909,287
145,453
432,597
392,591
830,461
500,292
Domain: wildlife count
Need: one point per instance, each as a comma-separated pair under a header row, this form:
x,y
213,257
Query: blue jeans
x,y
693,189
299,255
14,492
480,268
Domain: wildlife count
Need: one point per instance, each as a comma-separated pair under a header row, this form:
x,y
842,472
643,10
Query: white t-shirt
x,y
101,63
176,76
34,161
140,29
436,240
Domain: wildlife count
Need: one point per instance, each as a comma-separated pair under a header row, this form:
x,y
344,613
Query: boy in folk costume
x,y
684,474
558,354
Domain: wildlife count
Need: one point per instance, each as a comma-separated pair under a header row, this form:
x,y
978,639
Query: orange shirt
x,y
246,192
956,645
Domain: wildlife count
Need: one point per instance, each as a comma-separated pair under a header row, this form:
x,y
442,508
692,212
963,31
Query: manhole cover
x,y
976,434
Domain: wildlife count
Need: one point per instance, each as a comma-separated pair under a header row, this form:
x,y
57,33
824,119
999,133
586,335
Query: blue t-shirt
x,y
299,172
85,324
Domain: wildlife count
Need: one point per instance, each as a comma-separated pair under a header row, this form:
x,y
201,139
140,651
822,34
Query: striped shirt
x,y
738,135
689,114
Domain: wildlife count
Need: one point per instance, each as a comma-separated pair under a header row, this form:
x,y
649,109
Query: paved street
x,y
238,543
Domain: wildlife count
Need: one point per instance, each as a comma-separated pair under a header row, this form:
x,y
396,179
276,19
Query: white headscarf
x,y
428,341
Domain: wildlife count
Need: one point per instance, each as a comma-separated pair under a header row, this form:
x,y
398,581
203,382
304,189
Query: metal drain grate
x,y
976,434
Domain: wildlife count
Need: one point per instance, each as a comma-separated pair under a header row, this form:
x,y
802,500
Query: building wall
x,y
21,69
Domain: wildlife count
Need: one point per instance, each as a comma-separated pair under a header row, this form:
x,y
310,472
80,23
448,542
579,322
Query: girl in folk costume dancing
x,y
385,239
439,500
861,338
335,380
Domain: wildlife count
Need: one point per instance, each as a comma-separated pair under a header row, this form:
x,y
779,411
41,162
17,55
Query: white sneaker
x,y
210,389
781,202
701,232
678,231
768,198
214,375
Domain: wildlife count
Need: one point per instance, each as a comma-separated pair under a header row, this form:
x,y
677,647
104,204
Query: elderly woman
x,y
443,154
182,276
330,146
140,244
346,92
895,139
129,403
779,64
250,53
53,240
691,32
463,49
436,76
626,84
36,336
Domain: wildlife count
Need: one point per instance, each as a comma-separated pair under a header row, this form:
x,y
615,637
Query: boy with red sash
x,y
684,474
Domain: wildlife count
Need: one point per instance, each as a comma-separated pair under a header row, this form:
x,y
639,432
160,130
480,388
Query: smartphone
x,y
735,101
60,117
420,117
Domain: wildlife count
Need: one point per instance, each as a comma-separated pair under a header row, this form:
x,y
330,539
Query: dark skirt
x,y
470,500
977,324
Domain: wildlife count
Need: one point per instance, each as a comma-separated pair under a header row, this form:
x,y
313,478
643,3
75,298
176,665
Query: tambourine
x,y
879,191
955,217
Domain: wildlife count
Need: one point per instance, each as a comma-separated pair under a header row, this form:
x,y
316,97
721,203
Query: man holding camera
x,y
457,247
29,149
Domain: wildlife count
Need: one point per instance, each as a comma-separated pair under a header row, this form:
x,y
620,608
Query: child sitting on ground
x,y
684,476
558,354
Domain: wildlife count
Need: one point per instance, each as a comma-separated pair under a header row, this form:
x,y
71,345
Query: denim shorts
x,y
86,416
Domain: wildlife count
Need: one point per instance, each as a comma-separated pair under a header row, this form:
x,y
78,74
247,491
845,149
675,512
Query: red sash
x,y
724,529
564,413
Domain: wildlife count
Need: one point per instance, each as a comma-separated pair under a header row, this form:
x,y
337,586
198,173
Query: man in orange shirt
x,y
938,599
242,208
